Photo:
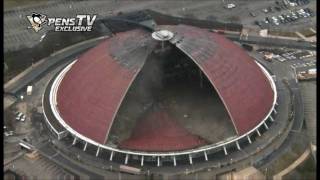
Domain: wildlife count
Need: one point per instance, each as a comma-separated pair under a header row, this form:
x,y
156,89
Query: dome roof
x,y
91,92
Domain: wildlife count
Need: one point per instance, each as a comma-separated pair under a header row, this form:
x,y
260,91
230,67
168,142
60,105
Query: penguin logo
x,y
37,20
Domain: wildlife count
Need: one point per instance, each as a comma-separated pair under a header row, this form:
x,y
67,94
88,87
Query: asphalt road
x,y
274,42
308,91
47,151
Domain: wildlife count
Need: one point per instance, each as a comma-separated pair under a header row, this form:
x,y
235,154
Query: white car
x,y
23,118
19,116
230,6
292,4
281,17
10,133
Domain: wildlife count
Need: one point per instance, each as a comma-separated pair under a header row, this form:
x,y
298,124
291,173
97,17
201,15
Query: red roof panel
x,y
164,133
241,84
91,91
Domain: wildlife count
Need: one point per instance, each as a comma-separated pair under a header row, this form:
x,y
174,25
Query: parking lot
x,y
300,60
281,13
288,17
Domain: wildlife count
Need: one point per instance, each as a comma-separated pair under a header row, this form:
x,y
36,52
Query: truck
x,y
312,71
29,90
310,74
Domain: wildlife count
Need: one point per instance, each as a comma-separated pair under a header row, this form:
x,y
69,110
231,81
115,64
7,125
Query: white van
x,y
230,6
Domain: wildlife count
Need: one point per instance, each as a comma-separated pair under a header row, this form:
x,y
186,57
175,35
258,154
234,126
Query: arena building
x,y
178,93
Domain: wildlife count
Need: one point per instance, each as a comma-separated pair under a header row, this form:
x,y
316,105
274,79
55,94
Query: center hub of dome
x,y
162,35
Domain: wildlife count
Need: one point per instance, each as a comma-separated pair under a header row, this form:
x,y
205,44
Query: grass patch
x,y
306,170
282,33
307,33
297,149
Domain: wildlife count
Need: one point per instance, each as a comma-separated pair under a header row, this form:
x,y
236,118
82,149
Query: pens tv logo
x,y
37,21
82,22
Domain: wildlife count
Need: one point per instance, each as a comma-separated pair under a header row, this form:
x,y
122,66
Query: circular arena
x,y
173,95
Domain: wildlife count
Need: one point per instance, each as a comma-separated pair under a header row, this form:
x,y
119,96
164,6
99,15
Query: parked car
x,y
230,6
270,9
277,8
269,19
19,116
253,14
307,10
258,23
23,118
9,133
281,18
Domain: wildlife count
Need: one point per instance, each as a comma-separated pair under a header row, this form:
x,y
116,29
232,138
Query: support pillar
x,y
111,155
249,139
162,45
238,145
205,155
190,158
275,111
271,118
259,134
127,158
85,146
98,150
142,159
158,163
174,161
74,141
225,150
265,125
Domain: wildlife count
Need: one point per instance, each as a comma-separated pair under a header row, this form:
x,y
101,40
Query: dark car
x,y
311,14
277,8
268,19
308,10
288,18
253,14
270,9
299,3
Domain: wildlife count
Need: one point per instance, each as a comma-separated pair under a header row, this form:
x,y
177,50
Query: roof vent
x,y
162,35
